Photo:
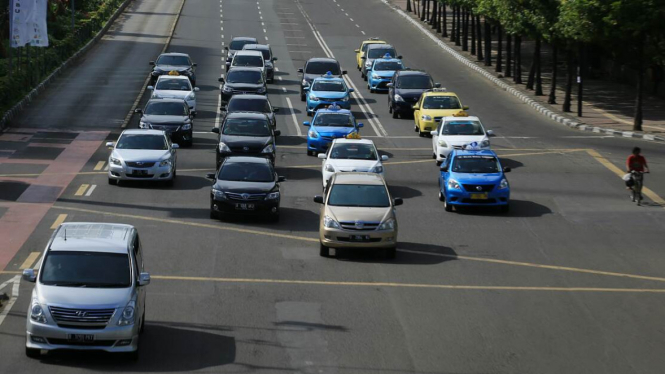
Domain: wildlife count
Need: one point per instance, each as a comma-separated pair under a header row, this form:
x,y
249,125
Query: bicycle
x,y
636,189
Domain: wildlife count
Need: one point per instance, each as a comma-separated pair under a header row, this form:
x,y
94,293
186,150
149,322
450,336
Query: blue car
x,y
381,73
328,124
474,178
325,91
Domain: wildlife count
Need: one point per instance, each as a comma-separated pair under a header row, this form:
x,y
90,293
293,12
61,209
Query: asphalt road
x,y
571,281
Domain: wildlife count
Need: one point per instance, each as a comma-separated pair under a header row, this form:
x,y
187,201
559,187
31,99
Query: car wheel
x,y
415,126
302,97
391,253
395,114
323,250
441,197
33,352
112,181
434,156
371,90
188,143
142,329
504,208
447,207
133,356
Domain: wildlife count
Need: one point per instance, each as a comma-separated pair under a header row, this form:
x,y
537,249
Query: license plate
x,y
359,238
80,338
139,172
479,196
242,206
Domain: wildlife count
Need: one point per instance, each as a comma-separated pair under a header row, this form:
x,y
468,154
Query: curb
x,y
16,109
526,99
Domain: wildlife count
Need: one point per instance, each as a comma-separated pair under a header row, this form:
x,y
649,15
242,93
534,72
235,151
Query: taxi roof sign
x,y
353,135
473,146
461,113
334,106
173,72
373,38
387,56
328,74
439,89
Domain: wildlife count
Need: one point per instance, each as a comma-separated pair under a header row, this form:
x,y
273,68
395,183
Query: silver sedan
x,y
142,155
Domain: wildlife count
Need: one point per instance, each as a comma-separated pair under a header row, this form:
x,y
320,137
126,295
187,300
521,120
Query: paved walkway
x,y
607,104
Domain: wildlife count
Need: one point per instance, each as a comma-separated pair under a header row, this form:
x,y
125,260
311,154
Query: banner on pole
x,y
28,23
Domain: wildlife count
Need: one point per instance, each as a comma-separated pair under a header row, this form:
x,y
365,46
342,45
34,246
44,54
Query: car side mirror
x,y
352,90
322,156
318,199
398,201
281,179
222,108
444,169
433,133
226,47
211,176
389,85
507,169
275,110
220,80
399,57
151,88
343,72
274,58
306,123
300,70
306,88
175,146
196,89
356,50
278,132
144,279
465,107
384,158
152,63
490,133
29,275
195,64
110,144
416,107
437,85
215,130
363,57
138,110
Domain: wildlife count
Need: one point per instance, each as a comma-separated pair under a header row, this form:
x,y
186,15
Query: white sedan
x,y
146,155
355,155
175,87
457,133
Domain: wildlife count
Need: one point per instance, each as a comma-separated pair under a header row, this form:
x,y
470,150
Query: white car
x,y
175,87
249,59
351,155
456,133
140,154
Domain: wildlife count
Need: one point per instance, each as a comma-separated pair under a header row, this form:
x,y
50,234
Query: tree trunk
x,y
499,49
465,31
637,120
458,28
427,5
539,78
452,24
509,55
473,34
580,80
422,11
488,43
438,17
552,98
479,39
518,60
434,20
444,17
532,71
408,6
570,71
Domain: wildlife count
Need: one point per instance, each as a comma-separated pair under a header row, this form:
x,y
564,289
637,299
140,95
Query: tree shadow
x,y
307,326
163,348
518,209
404,192
407,254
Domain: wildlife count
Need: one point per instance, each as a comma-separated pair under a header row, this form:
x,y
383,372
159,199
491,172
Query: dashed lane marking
x,y
81,190
92,188
61,218
99,165
293,117
27,264
316,240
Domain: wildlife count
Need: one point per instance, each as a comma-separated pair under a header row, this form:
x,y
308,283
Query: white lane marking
x,y
266,38
279,78
357,25
364,107
351,19
276,68
17,281
294,37
284,89
106,168
219,104
363,32
293,116
264,31
92,188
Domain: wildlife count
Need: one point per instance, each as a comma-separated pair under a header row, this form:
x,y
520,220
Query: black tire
x,y
132,356
188,143
441,197
395,114
371,90
390,106
433,155
391,253
142,329
310,153
113,182
33,352
302,97
504,208
415,127
447,207
323,250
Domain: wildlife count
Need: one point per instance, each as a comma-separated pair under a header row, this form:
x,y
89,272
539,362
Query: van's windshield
x,y
86,269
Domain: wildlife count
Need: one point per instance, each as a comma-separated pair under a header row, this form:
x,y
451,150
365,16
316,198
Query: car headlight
x,y
273,196
144,125
485,143
313,98
442,143
115,161
261,90
37,312
304,83
368,64
218,194
374,76
128,314
329,168
270,148
345,98
453,184
227,89
166,162
312,134
398,98
426,117
329,222
503,184
376,169
191,96
186,126
388,224
223,148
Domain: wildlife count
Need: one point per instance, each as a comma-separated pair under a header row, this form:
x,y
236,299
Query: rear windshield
x,y
248,105
86,269
173,60
333,119
250,61
475,164
388,65
353,151
462,128
380,52
322,67
246,127
237,45
414,82
246,172
249,77
359,195
174,84
166,109
142,141
265,52
334,86
367,45
441,102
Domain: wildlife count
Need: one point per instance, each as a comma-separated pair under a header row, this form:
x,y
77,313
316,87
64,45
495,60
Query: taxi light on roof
x,y
173,72
441,89
373,38
353,135
461,113
473,146
387,55
334,106
328,74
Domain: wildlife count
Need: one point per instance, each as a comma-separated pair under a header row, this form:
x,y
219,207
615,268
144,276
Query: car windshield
x,y
333,119
475,164
249,77
173,60
246,172
332,86
462,128
142,141
173,84
388,65
359,195
441,102
353,151
237,45
380,52
250,61
414,82
166,109
248,105
246,127
322,67
86,269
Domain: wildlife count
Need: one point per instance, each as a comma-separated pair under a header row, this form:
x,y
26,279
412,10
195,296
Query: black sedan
x,y
405,89
246,134
245,186
240,80
170,115
168,62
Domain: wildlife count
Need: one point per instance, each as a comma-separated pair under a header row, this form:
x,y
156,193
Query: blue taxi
x,y
381,72
474,177
326,90
328,124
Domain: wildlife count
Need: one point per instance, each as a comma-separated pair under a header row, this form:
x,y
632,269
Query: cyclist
x,y
637,162
636,166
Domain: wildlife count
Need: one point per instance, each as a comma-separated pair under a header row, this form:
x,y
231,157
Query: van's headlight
x,y
115,161
227,89
304,83
368,64
503,184
329,222
442,143
426,117
374,76
37,312
388,224
345,98
376,169
223,148
186,126
268,149
273,196
329,168
313,98
128,314
453,184
261,90
398,98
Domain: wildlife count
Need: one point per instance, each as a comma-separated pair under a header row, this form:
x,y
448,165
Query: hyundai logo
x,y
360,224
245,196
245,148
81,313
479,188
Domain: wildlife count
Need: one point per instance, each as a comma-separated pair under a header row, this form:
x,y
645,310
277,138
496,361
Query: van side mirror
x,y
226,47
398,201
29,275
152,63
306,123
215,130
275,110
360,124
278,132
151,88
352,90
399,57
507,169
434,133
144,279
322,156
274,58
490,133
138,110
110,144
444,169
211,176
175,146
437,85
384,158
220,80
416,107
196,89
389,85
318,199
300,70
465,107
356,50
281,179
343,72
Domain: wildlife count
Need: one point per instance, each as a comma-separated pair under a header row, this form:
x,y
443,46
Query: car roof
x,y
245,52
251,115
92,237
482,152
321,59
352,141
249,97
414,72
373,41
337,111
330,78
359,178
143,132
246,159
465,118
250,38
166,76
256,46
439,93
380,46
166,100
174,54
245,68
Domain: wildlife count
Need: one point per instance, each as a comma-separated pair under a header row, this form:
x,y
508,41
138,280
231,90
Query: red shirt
x,y
636,163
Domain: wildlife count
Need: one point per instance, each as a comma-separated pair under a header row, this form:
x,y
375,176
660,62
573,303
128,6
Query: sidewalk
x,y
608,105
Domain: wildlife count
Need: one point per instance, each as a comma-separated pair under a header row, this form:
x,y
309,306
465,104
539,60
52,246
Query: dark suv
x,y
168,62
405,89
241,80
251,103
246,134
316,67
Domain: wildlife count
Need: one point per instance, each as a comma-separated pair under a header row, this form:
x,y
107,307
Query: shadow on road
x,y
518,208
404,192
407,254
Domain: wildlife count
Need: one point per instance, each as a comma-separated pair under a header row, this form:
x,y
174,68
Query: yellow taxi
x,y
432,106
363,48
